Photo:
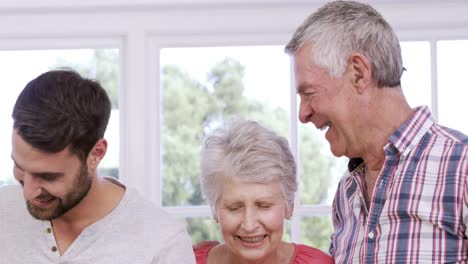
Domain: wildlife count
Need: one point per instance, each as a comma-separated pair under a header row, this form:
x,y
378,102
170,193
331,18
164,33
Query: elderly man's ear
x,y
360,71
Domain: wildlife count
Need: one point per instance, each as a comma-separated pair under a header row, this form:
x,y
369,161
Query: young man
x,y
64,212
405,198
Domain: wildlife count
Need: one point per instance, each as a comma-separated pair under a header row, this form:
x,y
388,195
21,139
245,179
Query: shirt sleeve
x,y
178,250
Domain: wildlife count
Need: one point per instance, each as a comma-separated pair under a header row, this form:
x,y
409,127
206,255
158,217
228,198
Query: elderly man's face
x,y
326,102
251,216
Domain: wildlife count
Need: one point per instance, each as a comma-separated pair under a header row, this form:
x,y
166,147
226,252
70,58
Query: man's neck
x,y
387,112
103,197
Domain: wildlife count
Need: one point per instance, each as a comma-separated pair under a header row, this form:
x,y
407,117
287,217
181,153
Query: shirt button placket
x,y
49,231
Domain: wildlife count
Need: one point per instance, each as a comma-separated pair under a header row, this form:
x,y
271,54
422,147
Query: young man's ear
x,y
360,71
97,153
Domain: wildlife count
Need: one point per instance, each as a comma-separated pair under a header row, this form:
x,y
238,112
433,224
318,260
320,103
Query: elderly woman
x,y
248,176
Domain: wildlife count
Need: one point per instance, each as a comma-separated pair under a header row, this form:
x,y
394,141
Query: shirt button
x,y
371,235
49,230
54,248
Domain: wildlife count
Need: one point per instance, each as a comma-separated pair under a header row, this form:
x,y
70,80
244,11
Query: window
x,y
452,56
100,64
416,80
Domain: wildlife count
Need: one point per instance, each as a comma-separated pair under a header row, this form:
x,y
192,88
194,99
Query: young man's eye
x,y
48,176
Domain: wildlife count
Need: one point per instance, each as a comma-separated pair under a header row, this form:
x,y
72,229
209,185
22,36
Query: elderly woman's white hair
x,y
250,152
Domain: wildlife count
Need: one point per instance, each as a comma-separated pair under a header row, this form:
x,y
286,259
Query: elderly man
x,y
405,198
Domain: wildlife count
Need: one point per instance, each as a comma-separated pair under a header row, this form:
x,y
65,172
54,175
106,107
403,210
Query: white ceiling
x,y
71,5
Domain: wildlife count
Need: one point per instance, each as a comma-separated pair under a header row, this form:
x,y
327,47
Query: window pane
x,y
19,67
201,87
452,57
320,171
203,228
416,80
287,231
316,232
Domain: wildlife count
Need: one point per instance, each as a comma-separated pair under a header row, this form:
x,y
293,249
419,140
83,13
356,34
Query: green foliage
x,y
316,168
203,229
187,105
226,78
316,232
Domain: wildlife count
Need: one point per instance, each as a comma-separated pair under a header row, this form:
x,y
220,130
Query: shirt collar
x,y
408,135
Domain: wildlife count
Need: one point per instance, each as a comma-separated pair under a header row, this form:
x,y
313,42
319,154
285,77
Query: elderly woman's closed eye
x,y
248,176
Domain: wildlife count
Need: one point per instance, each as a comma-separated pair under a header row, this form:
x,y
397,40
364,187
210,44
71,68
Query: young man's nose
x,y
31,187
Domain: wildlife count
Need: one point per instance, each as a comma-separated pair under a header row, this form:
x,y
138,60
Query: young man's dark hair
x,y
61,108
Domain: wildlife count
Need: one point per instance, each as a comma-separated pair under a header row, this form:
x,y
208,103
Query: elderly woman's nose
x,y
250,221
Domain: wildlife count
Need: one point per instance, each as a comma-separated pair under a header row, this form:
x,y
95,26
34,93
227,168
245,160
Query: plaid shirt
x,y
419,208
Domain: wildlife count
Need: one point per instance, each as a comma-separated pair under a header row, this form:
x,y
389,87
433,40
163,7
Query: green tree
x,y
187,106
316,232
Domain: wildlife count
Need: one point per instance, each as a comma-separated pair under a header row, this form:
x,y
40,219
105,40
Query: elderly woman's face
x,y
251,217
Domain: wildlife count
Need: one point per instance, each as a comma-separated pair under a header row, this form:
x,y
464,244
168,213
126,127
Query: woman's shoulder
x,y
308,255
201,254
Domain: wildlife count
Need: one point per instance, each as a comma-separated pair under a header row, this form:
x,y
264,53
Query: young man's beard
x,y
73,197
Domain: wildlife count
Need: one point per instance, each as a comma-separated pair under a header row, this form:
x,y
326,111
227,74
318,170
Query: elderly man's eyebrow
x,y
303,87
